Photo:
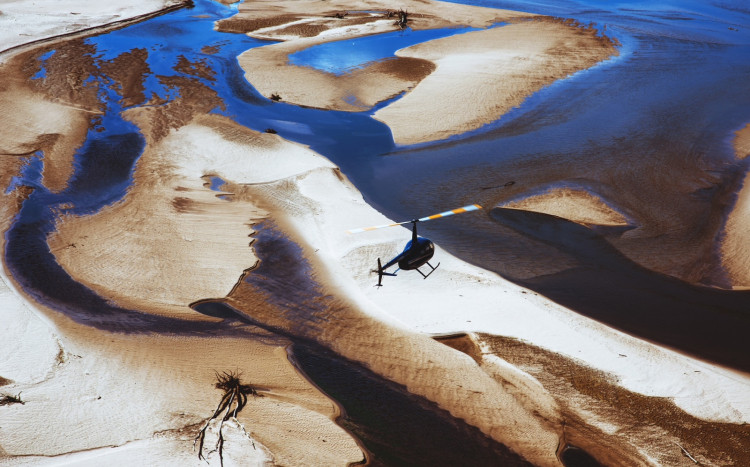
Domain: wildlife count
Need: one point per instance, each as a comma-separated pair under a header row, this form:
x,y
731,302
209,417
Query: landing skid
x,y
432,269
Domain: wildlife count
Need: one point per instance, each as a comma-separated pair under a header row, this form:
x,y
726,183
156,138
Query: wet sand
x,y
310,286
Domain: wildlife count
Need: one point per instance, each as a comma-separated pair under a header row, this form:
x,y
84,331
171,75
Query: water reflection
x,y
344,56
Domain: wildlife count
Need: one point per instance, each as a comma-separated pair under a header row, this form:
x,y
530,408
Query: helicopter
x,y
418,251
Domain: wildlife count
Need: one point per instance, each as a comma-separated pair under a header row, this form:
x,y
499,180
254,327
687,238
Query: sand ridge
x,y
574,204
83,382
482,75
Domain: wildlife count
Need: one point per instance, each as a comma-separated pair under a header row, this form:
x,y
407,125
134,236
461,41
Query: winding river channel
x,y
649,131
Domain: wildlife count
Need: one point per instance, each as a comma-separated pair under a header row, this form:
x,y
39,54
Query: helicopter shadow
x,y
609,287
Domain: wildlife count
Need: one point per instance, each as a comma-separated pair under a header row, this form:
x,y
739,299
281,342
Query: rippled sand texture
x,y
572,204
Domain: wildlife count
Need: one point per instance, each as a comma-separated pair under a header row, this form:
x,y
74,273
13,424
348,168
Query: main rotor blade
x,y
471,207
366,229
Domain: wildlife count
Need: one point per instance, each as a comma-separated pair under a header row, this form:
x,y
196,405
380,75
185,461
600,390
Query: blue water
x,y
43,58
344,56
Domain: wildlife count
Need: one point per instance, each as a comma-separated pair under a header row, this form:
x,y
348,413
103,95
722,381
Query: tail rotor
x,y
381,272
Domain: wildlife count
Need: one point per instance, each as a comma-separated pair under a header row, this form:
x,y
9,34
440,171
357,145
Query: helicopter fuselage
x,y
416,255
418,251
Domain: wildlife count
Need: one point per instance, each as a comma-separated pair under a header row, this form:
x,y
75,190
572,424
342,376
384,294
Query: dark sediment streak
x,y
395,427
709,323
38,274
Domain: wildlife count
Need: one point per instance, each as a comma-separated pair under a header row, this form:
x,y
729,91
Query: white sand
x,y
22,21
461,297
478,76
482,75
270,72
95,398
174,241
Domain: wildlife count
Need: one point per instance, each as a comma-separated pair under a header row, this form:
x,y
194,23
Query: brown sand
x,y
177,372
734,251
742,142
29,123
158,249
123,391
160,255
573,204
528,425
607,421
482,75
313,23
423,14
266,68
423,366
161,387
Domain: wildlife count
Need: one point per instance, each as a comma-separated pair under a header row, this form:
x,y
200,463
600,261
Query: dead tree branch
x,y
232,402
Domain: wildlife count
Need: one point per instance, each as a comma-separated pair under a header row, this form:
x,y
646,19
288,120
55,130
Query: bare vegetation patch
x,y
404,68
242,25
232,403
7,399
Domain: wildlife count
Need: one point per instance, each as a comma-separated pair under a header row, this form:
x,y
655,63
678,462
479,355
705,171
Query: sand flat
x,y
268,70
478,76
50,18
388,330
29,123
482,75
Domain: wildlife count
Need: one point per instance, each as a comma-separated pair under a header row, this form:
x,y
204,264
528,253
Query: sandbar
x,y
573,204
451,85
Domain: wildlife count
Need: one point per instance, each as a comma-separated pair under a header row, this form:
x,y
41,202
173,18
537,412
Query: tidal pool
x,y
340,57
